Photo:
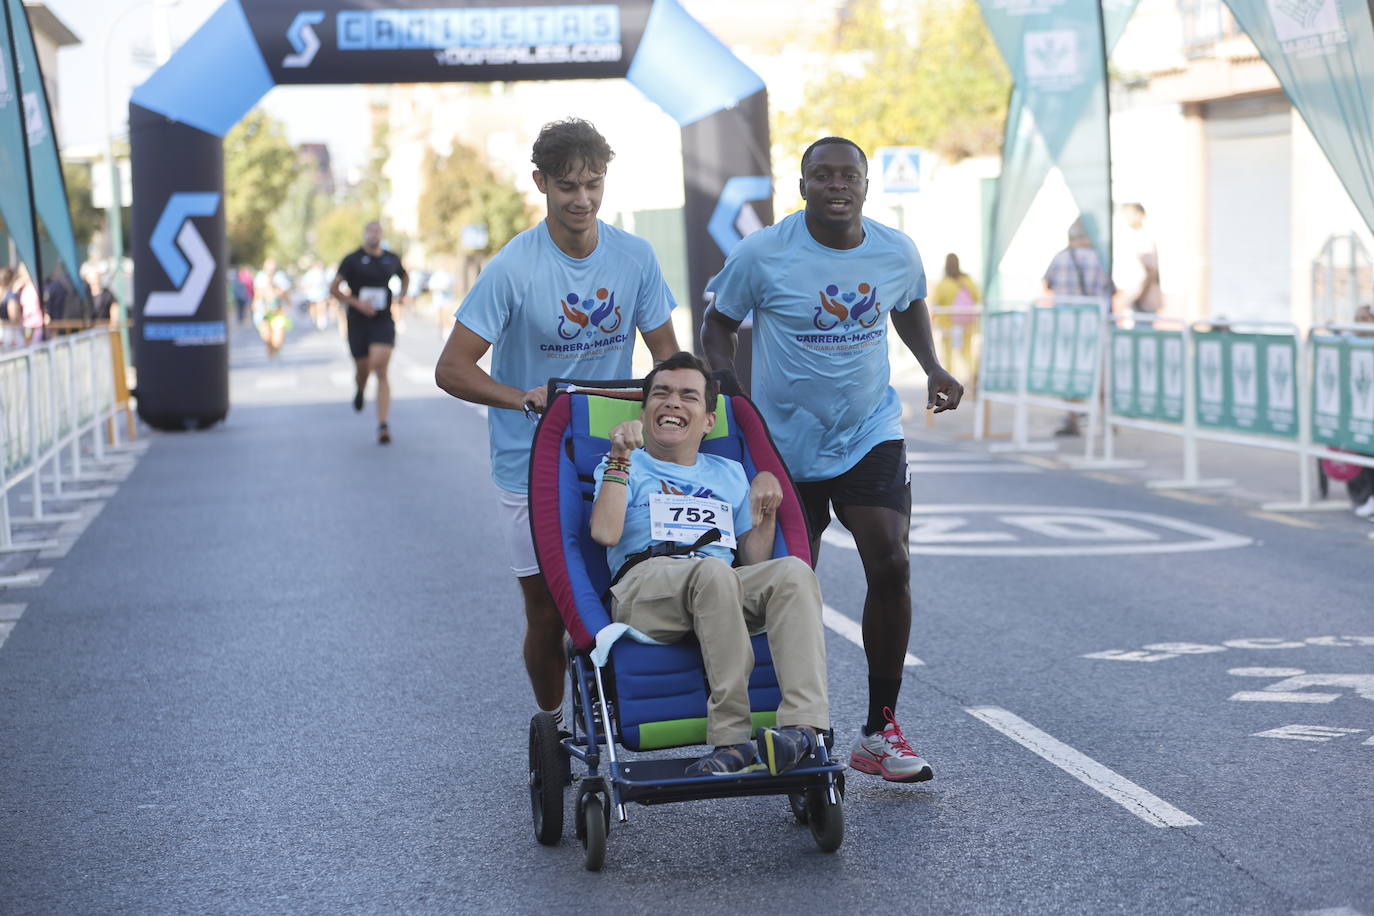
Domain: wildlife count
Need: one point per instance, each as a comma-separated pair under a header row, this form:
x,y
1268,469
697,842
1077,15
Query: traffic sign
x,y
899,168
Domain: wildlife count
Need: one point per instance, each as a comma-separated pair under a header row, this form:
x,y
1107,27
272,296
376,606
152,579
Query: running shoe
x,y
358,398
383,434
726,760
783,747
887,754
1366,508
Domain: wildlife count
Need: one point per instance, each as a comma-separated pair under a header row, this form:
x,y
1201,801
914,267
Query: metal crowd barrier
x,y
54,398
1257,384
1047,354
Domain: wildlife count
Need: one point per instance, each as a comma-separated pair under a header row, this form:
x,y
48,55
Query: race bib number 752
x,y
683,519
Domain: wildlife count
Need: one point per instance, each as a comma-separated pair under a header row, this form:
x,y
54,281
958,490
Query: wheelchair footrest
x,y
653,782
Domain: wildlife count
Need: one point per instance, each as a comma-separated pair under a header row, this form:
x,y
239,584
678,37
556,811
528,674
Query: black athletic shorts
x,y
364,331
881,478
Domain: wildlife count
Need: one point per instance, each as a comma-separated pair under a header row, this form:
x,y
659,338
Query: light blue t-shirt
x,y
820,368
712,477
549,315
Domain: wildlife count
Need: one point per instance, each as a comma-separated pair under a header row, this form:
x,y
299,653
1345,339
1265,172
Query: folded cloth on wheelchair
x,y
608,635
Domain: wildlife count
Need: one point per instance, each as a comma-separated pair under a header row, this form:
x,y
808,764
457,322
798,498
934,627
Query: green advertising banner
x,y
1002,336
1343,393
1063,360
49,187
15,205
1329,370
1247,383
1147,374
1359,424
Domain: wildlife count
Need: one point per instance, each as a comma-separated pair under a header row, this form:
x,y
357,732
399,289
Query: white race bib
x,y
684,519
374,296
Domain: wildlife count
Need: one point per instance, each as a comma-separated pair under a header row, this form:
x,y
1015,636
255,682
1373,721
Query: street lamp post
x,y
115,214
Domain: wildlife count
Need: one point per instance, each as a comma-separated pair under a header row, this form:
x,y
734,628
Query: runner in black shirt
x,y
371,330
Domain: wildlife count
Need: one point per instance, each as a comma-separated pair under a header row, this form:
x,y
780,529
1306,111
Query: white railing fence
x,y
58,400
1256,384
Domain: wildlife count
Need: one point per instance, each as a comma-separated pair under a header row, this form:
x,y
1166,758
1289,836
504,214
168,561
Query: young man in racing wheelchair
x,y
672,520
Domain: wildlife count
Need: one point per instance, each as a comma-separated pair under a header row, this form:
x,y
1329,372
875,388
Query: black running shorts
x,y
364,331
881,478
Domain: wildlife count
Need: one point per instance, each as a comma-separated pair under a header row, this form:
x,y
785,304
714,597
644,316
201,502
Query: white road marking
x,y
1330,911
851,631
1061,521
1288,689
1131,655
1143,804
1265,672
977,468
11,612
276,382
1320,733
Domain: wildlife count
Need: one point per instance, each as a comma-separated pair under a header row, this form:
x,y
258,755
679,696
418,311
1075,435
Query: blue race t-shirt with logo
x,y
712,477
820,367
550,315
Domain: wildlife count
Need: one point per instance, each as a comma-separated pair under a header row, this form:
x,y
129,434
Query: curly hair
x,y
561,145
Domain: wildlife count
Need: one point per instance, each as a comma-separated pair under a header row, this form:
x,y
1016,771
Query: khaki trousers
x,y
667,598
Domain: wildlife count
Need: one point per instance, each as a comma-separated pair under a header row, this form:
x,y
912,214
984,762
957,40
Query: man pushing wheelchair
x,y
673,521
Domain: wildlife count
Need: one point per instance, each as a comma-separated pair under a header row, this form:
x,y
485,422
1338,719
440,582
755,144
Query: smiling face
x,y
834,184
573,199
675,414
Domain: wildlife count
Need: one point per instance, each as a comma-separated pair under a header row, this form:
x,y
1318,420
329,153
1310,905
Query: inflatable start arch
x,y
178,118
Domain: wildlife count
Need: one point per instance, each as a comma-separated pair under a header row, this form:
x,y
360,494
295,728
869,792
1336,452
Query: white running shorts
x,y
515,523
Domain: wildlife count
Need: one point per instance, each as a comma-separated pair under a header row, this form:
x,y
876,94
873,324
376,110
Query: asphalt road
x,y
280,672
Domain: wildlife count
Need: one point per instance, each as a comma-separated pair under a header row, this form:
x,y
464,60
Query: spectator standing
x,y
1136,269
958,291
1077,271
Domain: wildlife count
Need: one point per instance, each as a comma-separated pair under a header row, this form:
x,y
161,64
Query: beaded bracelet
x,y
618,464
611,478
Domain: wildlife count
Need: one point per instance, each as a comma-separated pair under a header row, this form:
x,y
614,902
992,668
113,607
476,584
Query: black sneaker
x,y
783,747
383,434
726,760
358,399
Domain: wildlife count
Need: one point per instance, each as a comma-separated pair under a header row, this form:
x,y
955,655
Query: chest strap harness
x,y
685,551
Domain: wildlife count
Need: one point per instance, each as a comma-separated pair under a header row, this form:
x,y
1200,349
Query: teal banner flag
x,y
1057,115
49,188
1322,51
15,205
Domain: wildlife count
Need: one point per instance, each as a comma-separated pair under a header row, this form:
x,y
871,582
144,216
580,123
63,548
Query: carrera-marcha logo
x,y
676,489
837,308
583,313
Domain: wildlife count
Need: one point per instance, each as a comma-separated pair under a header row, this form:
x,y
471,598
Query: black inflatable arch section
x,y
178,118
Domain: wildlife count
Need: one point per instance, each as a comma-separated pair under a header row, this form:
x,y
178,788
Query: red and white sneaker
x,y
887,754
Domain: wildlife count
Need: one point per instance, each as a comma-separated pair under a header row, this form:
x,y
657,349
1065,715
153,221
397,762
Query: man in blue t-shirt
x,y
821,285
656,490
561,300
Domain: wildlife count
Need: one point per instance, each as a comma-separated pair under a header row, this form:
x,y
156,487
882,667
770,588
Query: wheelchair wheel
x,y
826,820
594,813
797,802
546,779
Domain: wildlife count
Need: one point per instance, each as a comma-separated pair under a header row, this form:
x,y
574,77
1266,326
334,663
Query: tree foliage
x,y
943,88
260,167
459,190
86,219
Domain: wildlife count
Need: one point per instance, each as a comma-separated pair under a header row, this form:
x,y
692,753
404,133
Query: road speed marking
x,y
1048,531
